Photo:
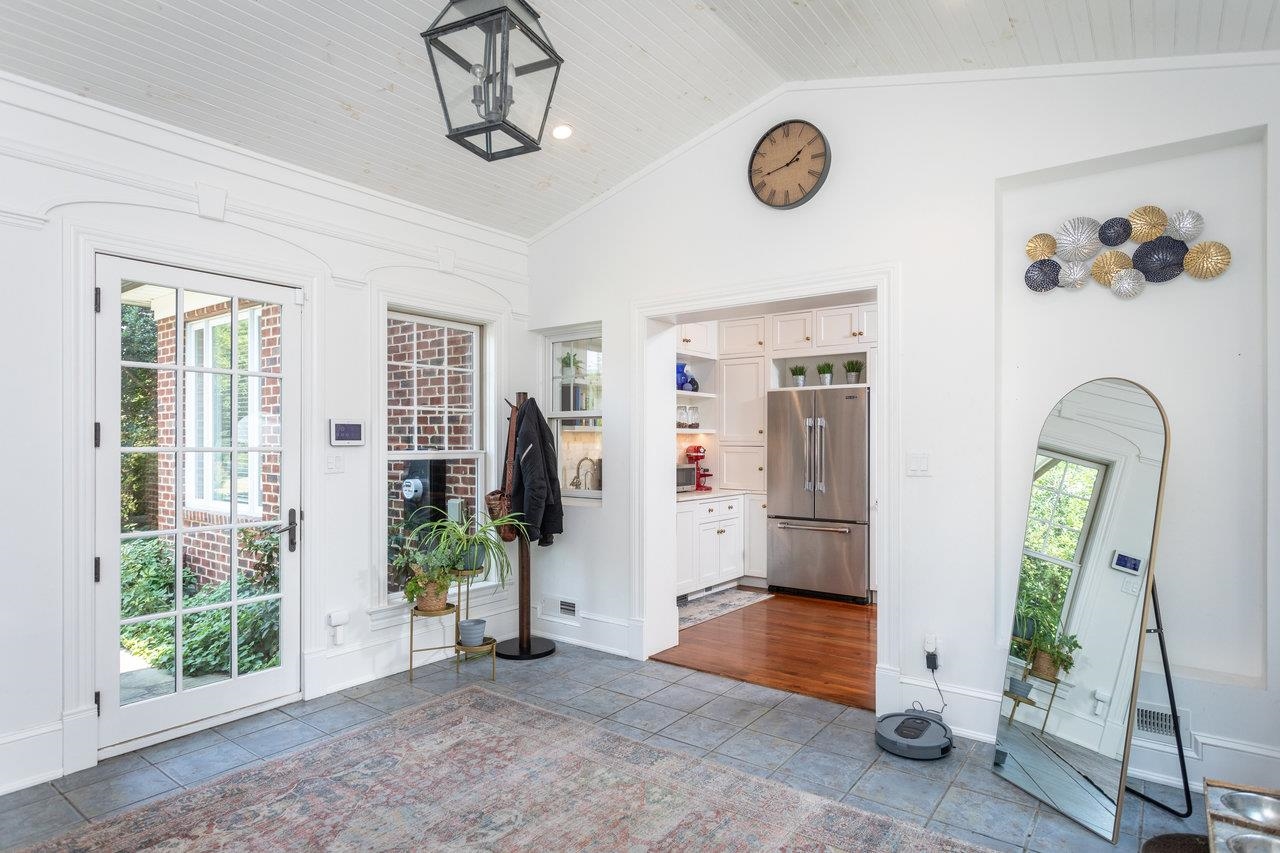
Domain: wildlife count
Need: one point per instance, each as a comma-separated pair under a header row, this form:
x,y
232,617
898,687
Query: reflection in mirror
x,y
1079,616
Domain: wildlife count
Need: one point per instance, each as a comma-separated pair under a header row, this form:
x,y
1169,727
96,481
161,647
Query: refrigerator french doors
x,y
818,484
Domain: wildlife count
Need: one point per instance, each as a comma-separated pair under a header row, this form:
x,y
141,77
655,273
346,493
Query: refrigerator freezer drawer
x,y
820,556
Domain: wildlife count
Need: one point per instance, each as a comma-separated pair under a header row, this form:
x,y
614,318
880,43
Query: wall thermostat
x,y
1125,563
345,433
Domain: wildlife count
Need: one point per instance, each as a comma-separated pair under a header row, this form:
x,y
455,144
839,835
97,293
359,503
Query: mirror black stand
x,y
1158,630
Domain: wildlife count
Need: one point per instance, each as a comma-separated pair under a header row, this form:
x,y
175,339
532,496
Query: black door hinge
x,y
97,701
97,433
97,569
97,300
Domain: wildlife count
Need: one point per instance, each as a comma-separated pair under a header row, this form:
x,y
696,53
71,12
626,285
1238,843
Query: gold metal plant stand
x,y
460,652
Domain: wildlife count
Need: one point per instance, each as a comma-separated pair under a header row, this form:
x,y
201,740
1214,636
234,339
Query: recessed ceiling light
x,y
562,131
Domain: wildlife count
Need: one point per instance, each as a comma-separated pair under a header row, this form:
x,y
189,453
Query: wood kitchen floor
x,y
802,645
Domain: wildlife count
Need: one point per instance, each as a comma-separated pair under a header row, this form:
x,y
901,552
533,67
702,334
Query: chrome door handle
x,y
291,528
785,526
821,475
808,454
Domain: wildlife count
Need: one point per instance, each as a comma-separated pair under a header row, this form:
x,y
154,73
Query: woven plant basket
x,y
432,600
1042,666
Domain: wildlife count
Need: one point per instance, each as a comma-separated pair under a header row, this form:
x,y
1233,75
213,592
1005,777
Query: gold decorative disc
x,y
1108,264
1148,223
1209,259
1041,246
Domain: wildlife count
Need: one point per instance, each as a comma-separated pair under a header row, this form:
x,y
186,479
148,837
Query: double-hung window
x,y
1064,499
574,410
433,435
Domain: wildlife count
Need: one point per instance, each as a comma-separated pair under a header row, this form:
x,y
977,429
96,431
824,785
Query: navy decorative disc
x,y
1042,276
1115,231
1160,259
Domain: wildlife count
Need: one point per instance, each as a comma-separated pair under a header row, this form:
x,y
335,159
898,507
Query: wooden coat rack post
x,y
525,646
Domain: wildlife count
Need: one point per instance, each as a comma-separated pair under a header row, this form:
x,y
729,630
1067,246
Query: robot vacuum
x,y
914,734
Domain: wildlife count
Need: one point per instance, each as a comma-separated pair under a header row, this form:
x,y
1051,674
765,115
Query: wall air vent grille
x,y
568,608
1155,722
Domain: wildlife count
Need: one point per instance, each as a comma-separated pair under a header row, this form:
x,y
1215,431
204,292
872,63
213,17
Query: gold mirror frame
x,y
1148,583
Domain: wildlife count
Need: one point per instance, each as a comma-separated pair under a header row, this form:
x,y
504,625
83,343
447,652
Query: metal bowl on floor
x,y
1253,842
1258,808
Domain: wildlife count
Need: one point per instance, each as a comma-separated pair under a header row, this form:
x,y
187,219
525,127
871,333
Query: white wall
x,y
916,166
74,175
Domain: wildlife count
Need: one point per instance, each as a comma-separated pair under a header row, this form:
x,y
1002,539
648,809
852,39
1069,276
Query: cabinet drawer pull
x,y
730,506
711,509
686,340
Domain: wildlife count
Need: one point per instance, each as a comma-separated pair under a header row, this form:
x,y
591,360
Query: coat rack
x,y
525,646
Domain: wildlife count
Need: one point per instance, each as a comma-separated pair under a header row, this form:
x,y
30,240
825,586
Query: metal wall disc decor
x,y
1041,246
1106,265
1115,231
1185,225
1078,239
1209,259
1042,275
1074,274
1148,223
1160,260
1127,284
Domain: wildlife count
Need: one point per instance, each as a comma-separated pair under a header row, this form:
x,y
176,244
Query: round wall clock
x,y
789,164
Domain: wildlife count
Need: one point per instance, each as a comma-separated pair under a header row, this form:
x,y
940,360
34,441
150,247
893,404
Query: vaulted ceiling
x,y
344,86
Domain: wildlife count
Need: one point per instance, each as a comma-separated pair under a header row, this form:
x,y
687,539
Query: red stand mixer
x,y
695,453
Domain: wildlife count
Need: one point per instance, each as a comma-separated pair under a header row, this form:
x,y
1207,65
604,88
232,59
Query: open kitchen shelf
x,y
696,395
698,431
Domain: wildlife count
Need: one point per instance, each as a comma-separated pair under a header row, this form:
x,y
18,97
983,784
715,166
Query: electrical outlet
x,y
930,642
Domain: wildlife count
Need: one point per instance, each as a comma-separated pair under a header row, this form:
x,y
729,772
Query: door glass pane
x,y
257,411
206,647
261,339
207,490
148,576
258,486
207,409
206,567
257,562
146,407
146,323
258,636
207,318
147,500
147,659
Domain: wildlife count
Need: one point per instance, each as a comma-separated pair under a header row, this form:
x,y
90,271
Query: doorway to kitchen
x,y
776,521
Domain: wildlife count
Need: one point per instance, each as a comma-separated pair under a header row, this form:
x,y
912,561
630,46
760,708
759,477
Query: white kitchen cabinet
x,y
755,526
742,387
869,322
742,468
791,332
838,327
686,553
708,553
741,337
697,339
730,554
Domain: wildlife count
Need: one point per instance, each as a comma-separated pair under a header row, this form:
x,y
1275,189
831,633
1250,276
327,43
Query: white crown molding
x,y
351,283
23,220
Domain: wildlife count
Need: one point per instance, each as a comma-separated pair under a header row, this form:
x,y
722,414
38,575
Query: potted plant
x,y
853,371
1053,651
471,544
432,573
824,372
570,364
797,374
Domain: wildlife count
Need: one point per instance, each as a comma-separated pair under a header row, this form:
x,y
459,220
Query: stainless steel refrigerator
x,y
818,484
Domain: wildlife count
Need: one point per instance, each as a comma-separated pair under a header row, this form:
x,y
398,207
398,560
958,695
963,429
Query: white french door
x,y
197,482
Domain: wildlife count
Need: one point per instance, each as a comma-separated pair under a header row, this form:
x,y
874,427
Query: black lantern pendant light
x,y
495,70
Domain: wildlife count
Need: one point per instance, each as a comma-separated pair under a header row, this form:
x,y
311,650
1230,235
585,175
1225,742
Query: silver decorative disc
x,y
1078,239
1127,284
1185,225
1074,274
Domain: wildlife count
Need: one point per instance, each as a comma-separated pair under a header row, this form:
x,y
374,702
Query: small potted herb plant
x,y
853,371
1053,651
797,374
824,372
432,573
570,364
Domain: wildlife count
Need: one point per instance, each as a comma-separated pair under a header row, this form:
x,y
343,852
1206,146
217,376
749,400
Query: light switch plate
x,y
335,464
918,464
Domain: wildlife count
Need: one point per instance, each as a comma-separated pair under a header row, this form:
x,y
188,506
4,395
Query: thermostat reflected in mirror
x,y
345,433
1124,563
411,489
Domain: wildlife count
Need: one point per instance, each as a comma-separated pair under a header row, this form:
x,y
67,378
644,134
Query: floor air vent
x,y
1155,722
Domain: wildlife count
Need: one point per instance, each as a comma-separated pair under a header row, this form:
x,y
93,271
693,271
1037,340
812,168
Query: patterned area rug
x,y
718,604
479,771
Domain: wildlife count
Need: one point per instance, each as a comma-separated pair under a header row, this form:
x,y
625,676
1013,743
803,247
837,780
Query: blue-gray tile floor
x,y
817,746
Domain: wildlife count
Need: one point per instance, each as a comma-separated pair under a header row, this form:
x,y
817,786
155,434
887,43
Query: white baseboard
x,y
970,712
30,756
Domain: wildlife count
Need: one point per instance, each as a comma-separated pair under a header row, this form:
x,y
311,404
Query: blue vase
x,y
680,375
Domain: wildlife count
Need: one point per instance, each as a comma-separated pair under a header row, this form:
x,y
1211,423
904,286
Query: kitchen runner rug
x,y
718,604
479,771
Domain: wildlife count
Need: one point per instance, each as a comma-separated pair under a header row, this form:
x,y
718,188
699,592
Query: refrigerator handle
x,y
788,526
808,454
821,474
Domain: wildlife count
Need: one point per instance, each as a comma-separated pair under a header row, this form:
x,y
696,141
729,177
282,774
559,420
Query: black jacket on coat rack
x,y
535,486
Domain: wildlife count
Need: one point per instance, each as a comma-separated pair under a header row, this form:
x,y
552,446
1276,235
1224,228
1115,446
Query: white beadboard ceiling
x,y
344,86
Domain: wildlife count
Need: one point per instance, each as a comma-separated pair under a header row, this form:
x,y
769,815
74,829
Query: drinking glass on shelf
x,y
682,417
695,417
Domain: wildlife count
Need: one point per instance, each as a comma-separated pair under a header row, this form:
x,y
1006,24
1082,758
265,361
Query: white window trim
x,y
554,414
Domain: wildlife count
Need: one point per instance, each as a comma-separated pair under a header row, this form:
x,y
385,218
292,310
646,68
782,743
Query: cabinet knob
x,y
760,431
711,509
730,506
686,340
759,343
764,506
807,338
761,468
720,531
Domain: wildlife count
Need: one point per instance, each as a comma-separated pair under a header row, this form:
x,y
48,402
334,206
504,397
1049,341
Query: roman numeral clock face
x,y
789,164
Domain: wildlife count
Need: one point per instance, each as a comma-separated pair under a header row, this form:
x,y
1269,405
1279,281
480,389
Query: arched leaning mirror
x,y
1080,614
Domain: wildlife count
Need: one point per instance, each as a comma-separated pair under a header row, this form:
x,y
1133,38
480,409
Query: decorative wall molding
x,y
211,201
350,283
23,220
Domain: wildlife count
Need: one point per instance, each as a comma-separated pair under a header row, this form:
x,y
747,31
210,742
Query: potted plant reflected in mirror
x,y
824,372
853,371
1052,652
570,365
797,374
474,548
